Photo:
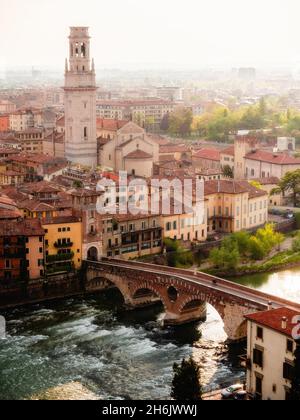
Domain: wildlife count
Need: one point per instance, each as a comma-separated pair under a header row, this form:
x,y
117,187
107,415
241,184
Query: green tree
x,y
262,107
290,183
180,121
296,243
77,184
186,384
226,257
165,122
295,389
256,248
228,171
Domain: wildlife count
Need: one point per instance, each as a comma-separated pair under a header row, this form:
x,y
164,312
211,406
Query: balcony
x,y
63,245
58,258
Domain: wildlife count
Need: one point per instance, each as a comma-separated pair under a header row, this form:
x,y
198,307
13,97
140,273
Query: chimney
x,y
284,323
270,306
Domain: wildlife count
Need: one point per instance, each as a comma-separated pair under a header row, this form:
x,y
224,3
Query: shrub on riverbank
x,y
242,245
279,261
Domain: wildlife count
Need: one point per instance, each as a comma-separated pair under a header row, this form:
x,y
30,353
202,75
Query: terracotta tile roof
x,y
209,154
39,187
275,158
228,151
25,227
60,220
231,187
6,214
138,154
273,180
273,319
173,148
109,124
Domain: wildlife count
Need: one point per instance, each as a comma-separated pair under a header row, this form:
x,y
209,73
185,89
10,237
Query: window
x,y
290,346
260,333
288,371
258,385
85,133
258,357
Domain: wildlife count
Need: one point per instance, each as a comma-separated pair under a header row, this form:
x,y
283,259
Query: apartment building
x,y
31,140
234,205
6,107
128,236
147,112
63,243
270,353
21,250
4,123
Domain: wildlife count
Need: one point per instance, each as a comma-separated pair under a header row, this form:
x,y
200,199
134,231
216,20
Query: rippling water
x,y
113,354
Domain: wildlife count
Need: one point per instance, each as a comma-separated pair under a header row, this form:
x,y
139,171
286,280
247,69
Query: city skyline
x,y
133,35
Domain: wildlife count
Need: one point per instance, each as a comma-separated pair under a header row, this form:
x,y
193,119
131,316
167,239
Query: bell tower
x,y
80,100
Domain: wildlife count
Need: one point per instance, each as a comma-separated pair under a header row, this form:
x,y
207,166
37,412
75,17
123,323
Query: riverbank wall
x,y
29,292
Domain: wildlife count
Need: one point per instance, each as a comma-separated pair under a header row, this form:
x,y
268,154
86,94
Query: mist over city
x,y
149,203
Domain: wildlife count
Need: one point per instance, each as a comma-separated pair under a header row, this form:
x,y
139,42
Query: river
x,y
115,354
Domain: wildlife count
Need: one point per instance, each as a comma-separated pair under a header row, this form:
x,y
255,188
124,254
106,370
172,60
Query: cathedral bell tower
x,y
80,100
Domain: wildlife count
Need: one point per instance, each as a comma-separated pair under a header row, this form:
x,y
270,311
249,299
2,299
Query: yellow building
x,y
63,244
234,205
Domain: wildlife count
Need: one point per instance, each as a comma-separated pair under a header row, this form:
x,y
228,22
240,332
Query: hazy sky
x,y
154,33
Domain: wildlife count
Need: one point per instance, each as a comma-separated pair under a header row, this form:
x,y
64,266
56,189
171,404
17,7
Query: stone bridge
x,y
183,293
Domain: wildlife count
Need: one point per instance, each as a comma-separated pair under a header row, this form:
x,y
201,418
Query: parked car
x,y
289,215
231,391
241,396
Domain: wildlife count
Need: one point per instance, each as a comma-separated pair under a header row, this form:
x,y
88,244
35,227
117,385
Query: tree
x,y
294,394
255,184
77,184
296,243
262,106
180,121
289,183
186,382
165,122
226,257
228,171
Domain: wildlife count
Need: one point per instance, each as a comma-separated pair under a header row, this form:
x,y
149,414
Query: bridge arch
x,y
153,289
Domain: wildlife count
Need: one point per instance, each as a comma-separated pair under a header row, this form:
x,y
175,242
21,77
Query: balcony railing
x,y
52,259
63,245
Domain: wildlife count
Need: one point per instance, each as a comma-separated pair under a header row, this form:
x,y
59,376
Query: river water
x,y
114,354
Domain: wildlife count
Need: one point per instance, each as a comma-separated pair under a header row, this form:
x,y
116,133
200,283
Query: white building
x,y
270,353
80,101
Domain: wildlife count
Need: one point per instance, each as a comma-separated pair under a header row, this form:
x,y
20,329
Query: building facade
x,y
270,353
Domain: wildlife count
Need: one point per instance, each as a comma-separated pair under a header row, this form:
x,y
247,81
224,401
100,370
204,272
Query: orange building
x,y
21,250
4,123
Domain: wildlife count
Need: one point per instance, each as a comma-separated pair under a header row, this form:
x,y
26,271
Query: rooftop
x,y
25,227
275,158
210,154
138,154
232,187
273,319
